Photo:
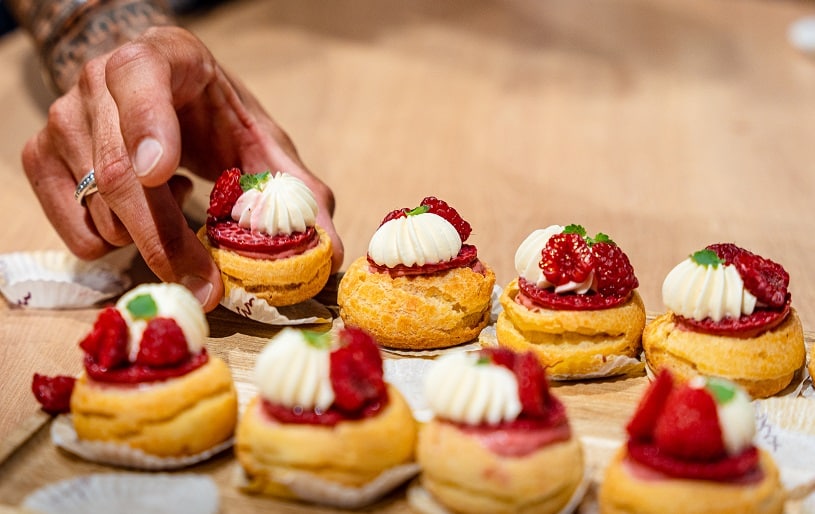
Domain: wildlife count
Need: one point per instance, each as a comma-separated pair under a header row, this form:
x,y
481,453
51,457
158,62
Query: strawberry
x,y
725,251
53,393
162,344
107,342
613,271
225,193
642,424
229,234
533,388
395,214
501,356
566,258
688,428
765,279
440,208
356,371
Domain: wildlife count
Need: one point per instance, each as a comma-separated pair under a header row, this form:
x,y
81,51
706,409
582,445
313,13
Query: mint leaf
x,y
600,238
722,391
319,340
706,258
483,360
418,210
575,229
142,307
254,180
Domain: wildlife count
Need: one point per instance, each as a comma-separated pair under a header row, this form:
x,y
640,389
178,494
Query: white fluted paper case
x,y
248,305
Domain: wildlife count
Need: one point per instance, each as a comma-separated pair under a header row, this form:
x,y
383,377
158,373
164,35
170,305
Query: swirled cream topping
x,y
275,205
147,301
735,412
414,240
528,258
464,388
700,291
293,370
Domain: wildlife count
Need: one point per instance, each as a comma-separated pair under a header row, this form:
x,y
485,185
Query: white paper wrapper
x,y
64,436
407,375
57,280
786,428
250,306
127,493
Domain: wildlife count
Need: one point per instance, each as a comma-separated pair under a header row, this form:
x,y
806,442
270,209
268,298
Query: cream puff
x,y
690,450
574,304
419,287
323,413
730,316
261,231
499,441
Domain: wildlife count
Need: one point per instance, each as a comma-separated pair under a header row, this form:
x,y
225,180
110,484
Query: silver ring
x,y
86,186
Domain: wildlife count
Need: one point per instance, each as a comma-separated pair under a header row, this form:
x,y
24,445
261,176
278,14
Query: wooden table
x,y
668,125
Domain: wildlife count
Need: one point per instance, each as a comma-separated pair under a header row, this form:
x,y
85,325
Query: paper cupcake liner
x,y
246,304
57,280
407,375
127,493
64,436
785,427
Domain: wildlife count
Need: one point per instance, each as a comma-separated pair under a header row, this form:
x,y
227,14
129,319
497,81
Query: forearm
x,y
68,33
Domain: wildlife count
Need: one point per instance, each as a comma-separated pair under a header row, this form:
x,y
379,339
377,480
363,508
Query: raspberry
x,y
613,271
745,326
501,356
533,388
229,234
569,302
725,251
765,279
398,213
642,424
162,344
467,256
725,469
107,342
440,208
356,371
688,428
225,193
566,258
53,393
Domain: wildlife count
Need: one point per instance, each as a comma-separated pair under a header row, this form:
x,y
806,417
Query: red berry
x,y
162,344
725,251
107,341
229,234
765,279
501,356
533,388
440,208
566,258
53,393
225,193
398,213
688,427
613,271
642,424
356,371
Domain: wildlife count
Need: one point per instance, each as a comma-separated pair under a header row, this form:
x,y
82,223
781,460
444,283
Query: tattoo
x,y
68,33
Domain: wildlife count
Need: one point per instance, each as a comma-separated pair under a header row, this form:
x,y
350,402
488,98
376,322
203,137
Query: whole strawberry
x,y
225,193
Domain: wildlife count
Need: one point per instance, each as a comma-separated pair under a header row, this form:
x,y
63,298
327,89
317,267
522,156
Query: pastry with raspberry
x,y
730,316
499,441
261,231
690,450
148,382
323,415
420,286
574,304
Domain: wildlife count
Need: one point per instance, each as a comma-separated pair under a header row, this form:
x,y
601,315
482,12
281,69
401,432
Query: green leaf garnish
x,y
319,340
482,360
142,307
722,391
418,210
575,229
706,258
254,180
601,238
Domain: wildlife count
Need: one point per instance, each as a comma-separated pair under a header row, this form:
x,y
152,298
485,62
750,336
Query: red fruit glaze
x,y
139,373
613,271
228,234
106,344
760,321
566,258
688,427
548,299
440,208
53,393
162,344
467,257
722,470
224,194
356,372
642,425
330,417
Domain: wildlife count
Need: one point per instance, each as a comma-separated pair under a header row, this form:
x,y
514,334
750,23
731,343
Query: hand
x,y
134,116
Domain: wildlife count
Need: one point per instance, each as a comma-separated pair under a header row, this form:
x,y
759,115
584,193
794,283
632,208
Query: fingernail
x,y
147,155
199,287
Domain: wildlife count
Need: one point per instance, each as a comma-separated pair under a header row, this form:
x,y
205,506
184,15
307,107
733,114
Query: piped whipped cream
x,y
295,372
414,240
279,205
735,412
170,301
700,291
464,388
528,258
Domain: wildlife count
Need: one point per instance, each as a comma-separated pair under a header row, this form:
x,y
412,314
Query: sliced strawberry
x,y
356,371
642,424
396,214
613,271
566,258
53,393
467,257
533,388
228,234
107,341
745,326
139,373
548,299
440,208
688,427
162,344
224,194
765,279
725,469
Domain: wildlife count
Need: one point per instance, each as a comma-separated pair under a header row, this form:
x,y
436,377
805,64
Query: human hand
x,y
134,116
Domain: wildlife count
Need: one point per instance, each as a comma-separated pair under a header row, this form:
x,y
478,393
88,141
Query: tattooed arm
x,y
141,97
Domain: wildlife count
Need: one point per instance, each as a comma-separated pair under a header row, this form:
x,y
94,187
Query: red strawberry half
x,y
765,279
566,258
162,344
613,271
642,425
53,393
440,208
224,194
688,427
356,372
106,344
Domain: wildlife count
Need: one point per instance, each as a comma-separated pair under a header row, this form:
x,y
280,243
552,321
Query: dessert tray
x,y
599,409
